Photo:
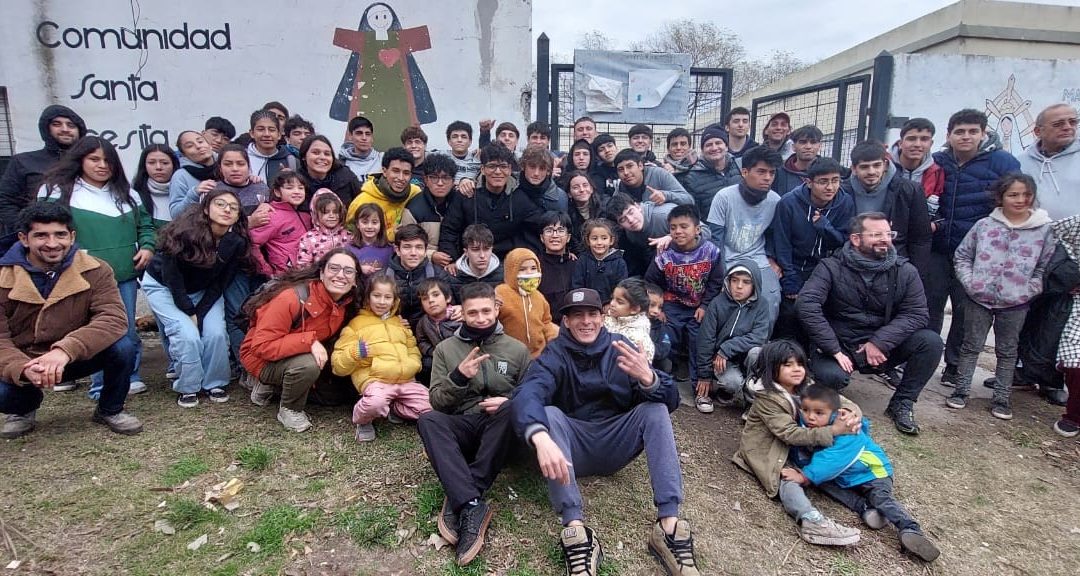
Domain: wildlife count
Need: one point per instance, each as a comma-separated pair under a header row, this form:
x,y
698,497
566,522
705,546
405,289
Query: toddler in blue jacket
x,y
855,471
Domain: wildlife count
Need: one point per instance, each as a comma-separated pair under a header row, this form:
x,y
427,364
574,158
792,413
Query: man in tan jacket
x,y
62,318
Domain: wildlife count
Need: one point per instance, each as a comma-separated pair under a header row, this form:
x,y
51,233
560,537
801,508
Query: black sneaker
x,y
1066,429
218,395
448,523
581,551
903,416
187,400
1055,396
472,525
891,377
1002,411
949,376
918,544
956,402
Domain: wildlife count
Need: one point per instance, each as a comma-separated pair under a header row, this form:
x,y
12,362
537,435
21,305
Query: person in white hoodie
x,y
268,156
358,152
1054,161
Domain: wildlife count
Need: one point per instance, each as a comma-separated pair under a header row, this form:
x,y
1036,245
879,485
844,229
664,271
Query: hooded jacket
x,y
853,459
430,332
409,284
1058,177
839,310
267,166
658,179
428,212
183,187
376,349
964,200
601,275
730,328
799,242
362,166
513,218
525,316
638,253
557,280
547,195
927,175
276,244
466,275
1001,265
26,170
905,205
636,328
82,314
703,181
690,278
585,382
340,180
392,203
452,393
319,240
272,338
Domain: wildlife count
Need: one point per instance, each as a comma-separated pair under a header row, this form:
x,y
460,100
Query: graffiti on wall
x,y
1010,115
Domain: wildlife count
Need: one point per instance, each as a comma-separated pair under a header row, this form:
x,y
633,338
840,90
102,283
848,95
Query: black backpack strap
x,y
302,294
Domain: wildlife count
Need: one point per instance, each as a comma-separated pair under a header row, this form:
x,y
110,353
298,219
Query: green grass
x,y
841,565
531,487
429,498
1023,438
183,470
525,571
183,514
315,486
369,526
477,567
275,524
981,500
255,457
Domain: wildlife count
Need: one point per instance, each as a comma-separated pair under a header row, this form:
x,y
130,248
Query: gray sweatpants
x,y
603,448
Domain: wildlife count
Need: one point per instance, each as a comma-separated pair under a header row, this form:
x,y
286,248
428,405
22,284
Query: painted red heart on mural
x,y
389,57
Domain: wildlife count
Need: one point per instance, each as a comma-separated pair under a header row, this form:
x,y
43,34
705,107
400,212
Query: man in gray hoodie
x,y
650,183
1054,161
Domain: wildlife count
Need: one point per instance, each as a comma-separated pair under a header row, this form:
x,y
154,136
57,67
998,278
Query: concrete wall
x,y
479,63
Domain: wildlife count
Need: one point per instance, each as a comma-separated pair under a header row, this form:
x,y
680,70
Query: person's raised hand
x,y
467,187
470,366
655,196
486,124
261,215
634,363
205,186
454,312
441,259
661,243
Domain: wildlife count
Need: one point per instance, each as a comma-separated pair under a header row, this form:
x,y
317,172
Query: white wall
x,y
936,86
278,50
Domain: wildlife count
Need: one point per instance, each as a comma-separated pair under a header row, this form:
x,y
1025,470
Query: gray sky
x,y
784,24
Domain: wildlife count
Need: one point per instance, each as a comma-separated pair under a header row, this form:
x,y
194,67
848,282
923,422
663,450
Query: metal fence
x,y
838,109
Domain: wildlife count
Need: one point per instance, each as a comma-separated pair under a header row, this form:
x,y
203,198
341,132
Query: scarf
x,y
384,186
199,171
751,196
157,188
865,265
476,335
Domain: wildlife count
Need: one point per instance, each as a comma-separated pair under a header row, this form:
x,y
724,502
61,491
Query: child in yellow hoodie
x,y
523,311
379,352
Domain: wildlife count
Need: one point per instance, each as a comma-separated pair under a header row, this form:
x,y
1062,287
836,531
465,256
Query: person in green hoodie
x,y
112,224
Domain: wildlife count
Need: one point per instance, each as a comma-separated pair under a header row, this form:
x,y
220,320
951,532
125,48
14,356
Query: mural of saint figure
x,y
382,81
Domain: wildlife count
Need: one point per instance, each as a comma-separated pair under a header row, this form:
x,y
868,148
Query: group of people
x,y
530,300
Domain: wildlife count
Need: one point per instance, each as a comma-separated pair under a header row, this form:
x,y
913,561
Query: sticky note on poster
x,y
604,94
648,88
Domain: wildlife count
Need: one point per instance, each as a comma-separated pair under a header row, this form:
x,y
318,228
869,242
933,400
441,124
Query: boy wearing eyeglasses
x,y
555,260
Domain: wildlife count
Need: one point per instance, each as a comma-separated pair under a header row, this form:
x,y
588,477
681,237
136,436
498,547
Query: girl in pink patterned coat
x,y
328,229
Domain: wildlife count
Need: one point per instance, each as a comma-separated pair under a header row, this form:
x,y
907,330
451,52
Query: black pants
x,y
921,352
878,494
941,286
467,451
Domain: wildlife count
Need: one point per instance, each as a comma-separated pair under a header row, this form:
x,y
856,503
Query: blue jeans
x,y
129,292
115,363
201,355
683,329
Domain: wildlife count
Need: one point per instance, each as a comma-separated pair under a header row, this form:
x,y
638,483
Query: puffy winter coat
x,y
732,328
1001,265
392,206
320,239
276,244
409,283
514,219
601,275
374,349
853,459
905,206
799,243
703,181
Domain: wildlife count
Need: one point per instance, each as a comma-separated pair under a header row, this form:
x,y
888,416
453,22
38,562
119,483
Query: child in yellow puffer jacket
x,y
379,352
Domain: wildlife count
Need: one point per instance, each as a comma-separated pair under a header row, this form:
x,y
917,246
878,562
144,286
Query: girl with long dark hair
x,y
157,164
320,168
196,167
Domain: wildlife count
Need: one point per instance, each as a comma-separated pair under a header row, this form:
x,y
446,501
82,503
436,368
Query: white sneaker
x,y
171,374
66,386
365,432
293,420
16,425
261,394
137,387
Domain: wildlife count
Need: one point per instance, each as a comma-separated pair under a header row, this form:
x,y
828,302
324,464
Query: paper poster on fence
x,y
649,87
604,95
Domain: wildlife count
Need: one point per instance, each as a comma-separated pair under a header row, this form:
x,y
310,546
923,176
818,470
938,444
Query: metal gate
x,y
838,108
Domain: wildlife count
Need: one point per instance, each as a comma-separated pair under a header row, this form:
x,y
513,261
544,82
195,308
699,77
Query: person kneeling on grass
x,y
62,318
379,351
467,436
855,471
590,403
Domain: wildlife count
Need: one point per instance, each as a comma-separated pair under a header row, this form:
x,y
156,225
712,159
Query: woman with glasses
x,y
284,347
198,254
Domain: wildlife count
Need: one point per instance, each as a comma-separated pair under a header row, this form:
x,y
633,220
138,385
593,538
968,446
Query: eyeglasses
x,y
439,179
497,166
225,205
827,181
1064,122
879,235
335,269
555,231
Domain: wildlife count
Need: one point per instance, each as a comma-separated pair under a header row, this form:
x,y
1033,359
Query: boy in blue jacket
x,y
855,471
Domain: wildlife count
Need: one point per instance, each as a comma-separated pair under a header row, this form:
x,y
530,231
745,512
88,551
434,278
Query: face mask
x,y
529,283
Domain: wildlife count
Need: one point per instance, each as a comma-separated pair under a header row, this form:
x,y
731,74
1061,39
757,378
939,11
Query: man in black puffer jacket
x,y
60,127
715,169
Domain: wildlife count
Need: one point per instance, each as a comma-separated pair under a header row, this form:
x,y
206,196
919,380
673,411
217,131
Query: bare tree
x,y
595,40
707,44
751,75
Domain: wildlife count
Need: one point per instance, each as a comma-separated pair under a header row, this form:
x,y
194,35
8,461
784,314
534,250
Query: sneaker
x,y
261,394
472,525
16,425
873,519
990,382
827,532
704,404
918,544
1063,427
674,552
903,416
136,387
66,386
293,420
891,377
394,418
581,551
1002,411
365,432
448,523
171,374
218,395
949,376
187,400
247,381
121,422
956,402
1055,396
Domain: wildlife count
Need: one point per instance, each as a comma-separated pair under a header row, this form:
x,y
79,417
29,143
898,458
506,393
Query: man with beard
x,y
864,309
60,127
391,191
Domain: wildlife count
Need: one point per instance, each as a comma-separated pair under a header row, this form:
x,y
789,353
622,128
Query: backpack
x,y
243,319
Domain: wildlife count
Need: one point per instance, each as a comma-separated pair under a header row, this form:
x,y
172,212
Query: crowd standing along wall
x,y
141,73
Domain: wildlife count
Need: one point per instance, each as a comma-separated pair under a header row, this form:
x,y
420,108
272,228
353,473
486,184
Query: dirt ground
x,y
998,497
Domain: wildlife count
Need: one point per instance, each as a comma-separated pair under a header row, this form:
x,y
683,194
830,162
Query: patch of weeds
x,y
277,523
315,486
183,514
429,499
369,526
400,444
531,487
477,567
1039,488
841,565
507,520
130,465
553,552
522,572
981,500
255,457
1022,438
183,470
609,568
227,570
